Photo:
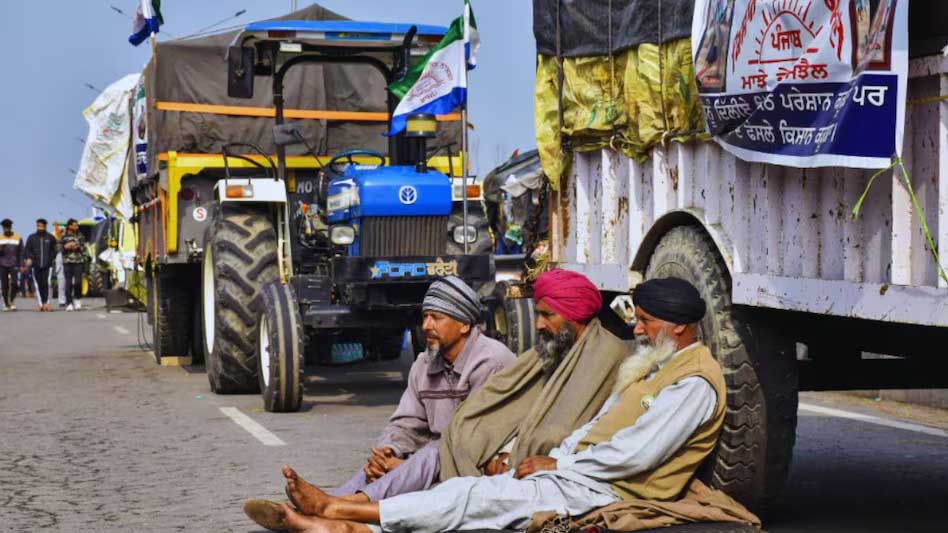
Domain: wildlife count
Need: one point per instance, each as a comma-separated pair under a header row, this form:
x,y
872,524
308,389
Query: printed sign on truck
x,y
804,83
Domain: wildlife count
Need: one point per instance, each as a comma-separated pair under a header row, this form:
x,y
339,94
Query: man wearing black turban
x,y
668,301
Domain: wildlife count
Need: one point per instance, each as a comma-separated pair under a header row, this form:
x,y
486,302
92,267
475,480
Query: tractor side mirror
x,y
240,72
288,134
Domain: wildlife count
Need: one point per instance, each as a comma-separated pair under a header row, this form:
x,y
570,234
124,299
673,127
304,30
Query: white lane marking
x,y
100,315
121,330
259,432
869,419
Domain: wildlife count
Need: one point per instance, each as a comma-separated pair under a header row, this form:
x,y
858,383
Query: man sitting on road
x,y
458,361
638,455
527,408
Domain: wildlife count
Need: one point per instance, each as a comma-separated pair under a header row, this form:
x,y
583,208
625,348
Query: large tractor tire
x,y
171,317
240,257
280,349
753,455
96,284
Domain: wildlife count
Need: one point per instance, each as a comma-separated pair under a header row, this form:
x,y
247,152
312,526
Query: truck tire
x,y
240,257
753,455
171,320
514,322
280,349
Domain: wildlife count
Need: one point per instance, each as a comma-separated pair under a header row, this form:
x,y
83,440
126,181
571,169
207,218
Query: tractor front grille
x,y
403,236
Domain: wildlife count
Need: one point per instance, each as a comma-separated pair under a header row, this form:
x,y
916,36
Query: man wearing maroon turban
x,y
568,293
565,302
550,390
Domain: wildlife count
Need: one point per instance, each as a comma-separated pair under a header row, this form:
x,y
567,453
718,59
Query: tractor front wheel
x,y
280,350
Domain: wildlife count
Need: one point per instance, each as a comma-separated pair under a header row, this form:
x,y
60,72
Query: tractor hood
x,y
388,192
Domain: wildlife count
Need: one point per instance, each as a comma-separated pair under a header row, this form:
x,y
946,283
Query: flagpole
x,y
464,164
465,155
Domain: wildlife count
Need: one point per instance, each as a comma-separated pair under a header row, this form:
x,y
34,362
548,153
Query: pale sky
x,y
52,48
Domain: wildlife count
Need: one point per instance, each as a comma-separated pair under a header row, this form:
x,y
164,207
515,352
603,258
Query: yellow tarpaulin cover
x,y
629,102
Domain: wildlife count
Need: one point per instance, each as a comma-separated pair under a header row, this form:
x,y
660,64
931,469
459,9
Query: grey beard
x,y
553,348
432,353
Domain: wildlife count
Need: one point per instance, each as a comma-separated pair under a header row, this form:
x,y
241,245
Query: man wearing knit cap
x,y
633,464
458,360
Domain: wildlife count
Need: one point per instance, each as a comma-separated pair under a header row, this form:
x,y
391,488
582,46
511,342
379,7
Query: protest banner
x,y
804,83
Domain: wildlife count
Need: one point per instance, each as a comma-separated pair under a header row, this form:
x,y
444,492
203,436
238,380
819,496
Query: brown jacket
x,y
668,480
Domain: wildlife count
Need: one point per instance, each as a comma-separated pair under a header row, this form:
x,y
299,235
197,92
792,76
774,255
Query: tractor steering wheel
x,y
347,158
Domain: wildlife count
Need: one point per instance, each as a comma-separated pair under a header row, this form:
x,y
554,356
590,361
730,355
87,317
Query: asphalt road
x,y
94,436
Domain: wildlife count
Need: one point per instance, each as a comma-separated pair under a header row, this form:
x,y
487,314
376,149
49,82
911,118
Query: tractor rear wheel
x,y
753,455
96,282
240,257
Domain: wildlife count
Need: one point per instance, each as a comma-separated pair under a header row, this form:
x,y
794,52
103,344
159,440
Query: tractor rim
x,y
264,349
208,297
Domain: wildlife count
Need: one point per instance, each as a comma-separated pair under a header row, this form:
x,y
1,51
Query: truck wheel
x,y
514,321
280,349
753,455
240,257
171,320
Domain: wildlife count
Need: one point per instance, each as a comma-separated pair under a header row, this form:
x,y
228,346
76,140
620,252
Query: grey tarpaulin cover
x,y
195,71
582,22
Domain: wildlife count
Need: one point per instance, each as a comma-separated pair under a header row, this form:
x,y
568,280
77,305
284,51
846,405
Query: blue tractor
x,y
338,270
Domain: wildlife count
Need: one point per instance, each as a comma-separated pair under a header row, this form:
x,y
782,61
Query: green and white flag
x,y
438,83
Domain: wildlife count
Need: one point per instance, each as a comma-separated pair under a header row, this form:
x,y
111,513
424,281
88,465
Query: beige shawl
x,y
518,402
699,504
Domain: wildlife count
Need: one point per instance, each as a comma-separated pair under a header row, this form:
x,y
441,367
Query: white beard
x,y
643,361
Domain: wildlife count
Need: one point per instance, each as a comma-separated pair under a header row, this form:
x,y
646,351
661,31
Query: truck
x,y
802,296
256,257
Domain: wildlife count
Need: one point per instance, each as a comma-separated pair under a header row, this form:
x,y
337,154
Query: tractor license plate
x,y
408,269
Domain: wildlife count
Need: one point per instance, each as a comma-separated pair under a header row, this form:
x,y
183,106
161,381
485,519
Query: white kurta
x,y
578,485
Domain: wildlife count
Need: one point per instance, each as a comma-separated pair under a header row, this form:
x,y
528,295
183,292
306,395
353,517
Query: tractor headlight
x,y
342,235
461,232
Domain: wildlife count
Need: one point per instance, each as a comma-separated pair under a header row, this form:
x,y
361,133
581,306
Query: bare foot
x,y
307,498
311,524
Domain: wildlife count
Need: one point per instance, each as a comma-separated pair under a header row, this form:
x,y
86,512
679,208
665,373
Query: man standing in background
x,y
73,247
40,255
11,259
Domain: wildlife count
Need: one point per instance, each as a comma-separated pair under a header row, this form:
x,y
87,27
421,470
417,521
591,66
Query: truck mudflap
x,y
387,270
